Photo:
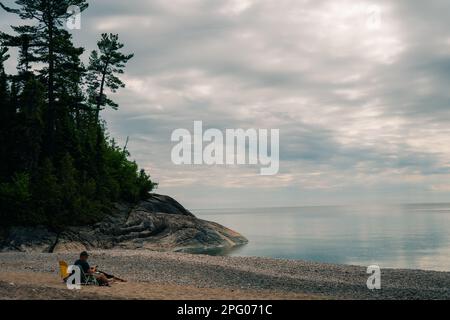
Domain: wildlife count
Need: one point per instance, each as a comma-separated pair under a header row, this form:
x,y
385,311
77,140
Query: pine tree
x,y
47,192
57,167
104,65
50,42
15,199
25,40
30,129
3,57
3,78
5,115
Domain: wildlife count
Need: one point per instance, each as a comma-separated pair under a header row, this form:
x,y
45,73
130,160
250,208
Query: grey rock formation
x,y
159,223
29,239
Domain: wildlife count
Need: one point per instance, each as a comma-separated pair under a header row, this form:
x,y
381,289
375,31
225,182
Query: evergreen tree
x,y
3,57
5,115
57,167
30,125
104,66
25,40
50,16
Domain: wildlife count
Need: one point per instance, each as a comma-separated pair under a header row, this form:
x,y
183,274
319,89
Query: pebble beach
x,y
168,275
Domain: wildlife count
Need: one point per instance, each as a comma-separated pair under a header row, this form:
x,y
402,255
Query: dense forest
x,y
58,166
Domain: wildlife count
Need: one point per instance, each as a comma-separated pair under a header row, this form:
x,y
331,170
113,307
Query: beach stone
x,y
158,223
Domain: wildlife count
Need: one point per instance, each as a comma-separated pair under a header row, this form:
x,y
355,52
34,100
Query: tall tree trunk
x,y
50,84
99,104
102,88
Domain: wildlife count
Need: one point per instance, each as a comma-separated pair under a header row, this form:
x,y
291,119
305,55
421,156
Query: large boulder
x,y
160,231
29,239
159,223
164,204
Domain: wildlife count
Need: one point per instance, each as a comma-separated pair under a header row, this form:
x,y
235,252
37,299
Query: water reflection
x,y
401,236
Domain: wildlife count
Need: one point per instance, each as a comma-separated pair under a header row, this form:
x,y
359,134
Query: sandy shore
x,y
156,275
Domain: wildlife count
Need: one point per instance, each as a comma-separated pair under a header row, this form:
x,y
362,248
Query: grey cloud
x,y
365,109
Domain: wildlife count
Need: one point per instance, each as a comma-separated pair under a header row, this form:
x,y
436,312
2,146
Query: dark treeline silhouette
x,y
58,166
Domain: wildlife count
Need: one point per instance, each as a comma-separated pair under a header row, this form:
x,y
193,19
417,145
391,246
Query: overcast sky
x,y
362,103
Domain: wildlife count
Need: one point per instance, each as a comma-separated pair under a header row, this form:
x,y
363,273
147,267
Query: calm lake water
x,y
398,236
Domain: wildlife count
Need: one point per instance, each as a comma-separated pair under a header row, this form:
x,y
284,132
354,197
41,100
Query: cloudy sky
x,y
359,91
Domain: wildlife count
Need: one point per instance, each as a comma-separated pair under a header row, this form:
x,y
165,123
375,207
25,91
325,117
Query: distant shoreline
x,y
168,275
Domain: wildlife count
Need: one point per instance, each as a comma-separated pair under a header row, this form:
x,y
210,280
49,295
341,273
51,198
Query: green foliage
x,y
129,184
57,166
3,57
15,197
103,70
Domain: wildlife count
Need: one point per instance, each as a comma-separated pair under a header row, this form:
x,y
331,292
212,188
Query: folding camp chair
x,y
86,279
63,270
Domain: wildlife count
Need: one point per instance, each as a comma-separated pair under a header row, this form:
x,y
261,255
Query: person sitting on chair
x,y
87,269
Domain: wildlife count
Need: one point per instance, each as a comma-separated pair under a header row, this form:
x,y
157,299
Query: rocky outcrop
x,y
159,223
29,239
